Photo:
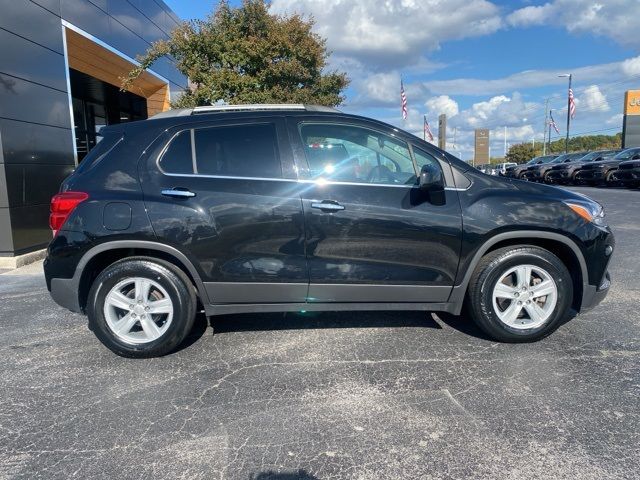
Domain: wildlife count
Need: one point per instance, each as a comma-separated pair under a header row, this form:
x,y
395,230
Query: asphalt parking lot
x,y
377,395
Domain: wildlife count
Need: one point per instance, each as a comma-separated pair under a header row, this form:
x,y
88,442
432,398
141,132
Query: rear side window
x,y
235,151
177,158
100,151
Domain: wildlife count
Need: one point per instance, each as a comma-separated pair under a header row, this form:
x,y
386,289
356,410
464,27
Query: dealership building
x,y
60,67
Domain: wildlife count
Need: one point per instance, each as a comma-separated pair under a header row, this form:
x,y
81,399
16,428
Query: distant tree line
x,y
523,152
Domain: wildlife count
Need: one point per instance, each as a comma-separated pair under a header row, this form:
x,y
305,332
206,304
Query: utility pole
x,y
505,141
546,125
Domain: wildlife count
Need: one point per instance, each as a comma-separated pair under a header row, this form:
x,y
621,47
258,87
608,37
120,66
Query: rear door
x,y
226,195
371,234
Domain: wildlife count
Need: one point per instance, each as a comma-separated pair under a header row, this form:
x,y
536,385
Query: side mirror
x,y
636,156
430,178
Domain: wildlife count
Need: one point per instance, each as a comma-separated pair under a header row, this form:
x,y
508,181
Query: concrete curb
x,y
22,260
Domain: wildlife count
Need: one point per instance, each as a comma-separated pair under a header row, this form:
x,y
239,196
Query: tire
x,y
491,270
166,283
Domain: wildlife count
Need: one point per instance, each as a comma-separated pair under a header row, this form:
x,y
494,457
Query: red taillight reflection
x,y
62,205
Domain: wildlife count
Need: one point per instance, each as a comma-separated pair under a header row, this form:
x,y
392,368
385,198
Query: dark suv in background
x,y
284,208
519,170
604,171
565,173
539,172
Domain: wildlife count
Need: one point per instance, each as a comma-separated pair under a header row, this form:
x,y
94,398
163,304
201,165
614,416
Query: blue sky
x,y
486,63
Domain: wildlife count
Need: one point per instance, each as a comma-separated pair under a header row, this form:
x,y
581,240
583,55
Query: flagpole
x,y
566,142
550,116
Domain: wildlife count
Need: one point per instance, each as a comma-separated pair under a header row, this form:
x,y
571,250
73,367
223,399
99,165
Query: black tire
x,y
489,271
174,281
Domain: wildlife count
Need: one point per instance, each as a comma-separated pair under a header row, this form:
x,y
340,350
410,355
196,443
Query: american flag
x,y
552,123
572,104
403,99
427,130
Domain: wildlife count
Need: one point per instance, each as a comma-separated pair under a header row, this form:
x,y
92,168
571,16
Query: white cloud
x,y
442,104
394,33
615,120
593,100
497,111
531,15
532,79
616,19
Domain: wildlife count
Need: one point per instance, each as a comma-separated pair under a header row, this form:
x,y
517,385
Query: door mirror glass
x,y
430,177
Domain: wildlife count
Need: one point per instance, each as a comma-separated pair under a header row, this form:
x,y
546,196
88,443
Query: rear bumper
x,y
64,292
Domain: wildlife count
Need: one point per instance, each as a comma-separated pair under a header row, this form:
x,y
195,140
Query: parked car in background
x,y
518,170
565,173
292,207
501,168
538,173
603,171
487,168
628,172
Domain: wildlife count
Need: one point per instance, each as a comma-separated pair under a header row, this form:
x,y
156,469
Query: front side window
x,y
423,158
347,153
234,151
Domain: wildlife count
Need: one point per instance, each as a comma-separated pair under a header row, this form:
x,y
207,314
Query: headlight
x,y
591,211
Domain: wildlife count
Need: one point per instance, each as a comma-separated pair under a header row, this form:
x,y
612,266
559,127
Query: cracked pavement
x,y
362,395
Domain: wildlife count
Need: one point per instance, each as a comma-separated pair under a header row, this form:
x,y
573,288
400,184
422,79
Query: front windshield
x,y
596,156
626,154
547,159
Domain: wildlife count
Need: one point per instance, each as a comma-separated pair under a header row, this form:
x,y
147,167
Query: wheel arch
x,y
103,255
560,245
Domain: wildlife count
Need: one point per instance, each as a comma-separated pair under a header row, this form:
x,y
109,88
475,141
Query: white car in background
x,y
501,168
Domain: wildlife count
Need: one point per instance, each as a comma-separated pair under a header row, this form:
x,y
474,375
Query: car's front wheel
x,y
141,307
519,294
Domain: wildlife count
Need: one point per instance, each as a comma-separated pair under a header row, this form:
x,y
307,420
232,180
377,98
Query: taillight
x,y
62,205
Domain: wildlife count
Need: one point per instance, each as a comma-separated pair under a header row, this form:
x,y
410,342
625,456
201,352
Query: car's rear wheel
x,y
141,307
519,294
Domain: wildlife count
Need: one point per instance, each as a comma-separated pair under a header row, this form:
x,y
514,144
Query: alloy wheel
x,y
525,297
138,310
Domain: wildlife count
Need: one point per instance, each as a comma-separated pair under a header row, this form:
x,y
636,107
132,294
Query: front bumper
x,y
628,175
558,176
591,176
592,296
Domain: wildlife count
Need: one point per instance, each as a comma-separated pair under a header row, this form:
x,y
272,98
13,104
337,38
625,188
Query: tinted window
x,y
423,158
241,151
177,158
348,153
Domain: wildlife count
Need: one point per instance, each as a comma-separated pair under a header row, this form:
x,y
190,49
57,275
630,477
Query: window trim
x,y
194,159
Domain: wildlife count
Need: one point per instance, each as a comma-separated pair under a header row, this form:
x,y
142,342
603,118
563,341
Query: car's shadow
x,y
224,324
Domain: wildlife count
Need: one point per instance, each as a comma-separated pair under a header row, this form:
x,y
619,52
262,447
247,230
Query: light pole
x,y
566,142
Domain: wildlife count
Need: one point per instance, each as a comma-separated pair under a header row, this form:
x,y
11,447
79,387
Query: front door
x,y
220,193
371,234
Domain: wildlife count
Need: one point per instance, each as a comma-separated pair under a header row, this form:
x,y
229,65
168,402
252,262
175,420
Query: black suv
x,y
539,172
290,208
604,171
629,172
519,170
566,173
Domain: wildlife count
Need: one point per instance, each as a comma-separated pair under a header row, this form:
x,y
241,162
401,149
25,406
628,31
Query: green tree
x,y
247,55
521,153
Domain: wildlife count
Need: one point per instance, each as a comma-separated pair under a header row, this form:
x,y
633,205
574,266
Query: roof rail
x,y
262,106
244,108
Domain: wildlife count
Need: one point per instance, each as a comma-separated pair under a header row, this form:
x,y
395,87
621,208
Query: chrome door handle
x,y
328,206
178,193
